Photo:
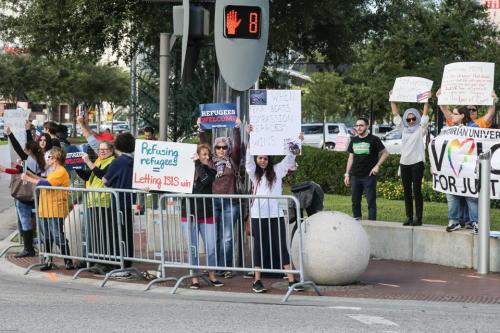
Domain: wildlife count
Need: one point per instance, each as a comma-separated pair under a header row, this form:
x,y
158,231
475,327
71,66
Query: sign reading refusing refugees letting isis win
x,y
164,166
454,154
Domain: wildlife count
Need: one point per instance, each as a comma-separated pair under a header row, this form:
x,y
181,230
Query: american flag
x,y
423,97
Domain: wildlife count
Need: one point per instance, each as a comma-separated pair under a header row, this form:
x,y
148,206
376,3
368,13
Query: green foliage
x,y
323,97
393,190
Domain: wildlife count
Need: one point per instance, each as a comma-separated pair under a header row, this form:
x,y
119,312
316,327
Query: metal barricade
x,y
264,246
79,224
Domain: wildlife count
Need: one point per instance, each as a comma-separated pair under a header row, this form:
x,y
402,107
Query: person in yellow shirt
x,y
53,205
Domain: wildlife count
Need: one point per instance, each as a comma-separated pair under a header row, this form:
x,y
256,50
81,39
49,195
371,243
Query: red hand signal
x,y
232,22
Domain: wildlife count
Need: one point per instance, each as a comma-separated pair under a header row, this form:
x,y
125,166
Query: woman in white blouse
x,y
267,222
413,128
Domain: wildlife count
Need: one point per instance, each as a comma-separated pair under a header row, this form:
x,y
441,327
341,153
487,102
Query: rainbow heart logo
x,y
457,148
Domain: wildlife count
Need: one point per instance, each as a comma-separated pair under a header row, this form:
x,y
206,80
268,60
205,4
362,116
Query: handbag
x,y
20,189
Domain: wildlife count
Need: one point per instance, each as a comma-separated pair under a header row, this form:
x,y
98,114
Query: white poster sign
x,y
411,89
467,83
453,155
276,118
16,120
164,166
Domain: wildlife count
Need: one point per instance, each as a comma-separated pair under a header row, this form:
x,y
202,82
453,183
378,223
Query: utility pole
x,y
164,84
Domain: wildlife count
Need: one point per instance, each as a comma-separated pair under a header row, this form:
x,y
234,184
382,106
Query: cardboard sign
x,y
342,142
217,115
411,89
276,119
453,155
16,120
164,166
467,83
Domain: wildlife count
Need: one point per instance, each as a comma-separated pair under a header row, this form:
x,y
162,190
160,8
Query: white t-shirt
x,y
412,146
264,208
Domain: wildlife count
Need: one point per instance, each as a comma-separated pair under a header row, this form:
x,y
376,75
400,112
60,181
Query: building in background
x,y
493,9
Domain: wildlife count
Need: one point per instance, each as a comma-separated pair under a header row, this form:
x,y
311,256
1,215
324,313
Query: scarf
x,y
408,128
223,162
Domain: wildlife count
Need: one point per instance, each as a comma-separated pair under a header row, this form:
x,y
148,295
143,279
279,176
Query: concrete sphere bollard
x,y
336,249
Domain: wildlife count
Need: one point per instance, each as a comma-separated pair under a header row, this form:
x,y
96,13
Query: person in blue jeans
x,y
366,155
456,208
226,159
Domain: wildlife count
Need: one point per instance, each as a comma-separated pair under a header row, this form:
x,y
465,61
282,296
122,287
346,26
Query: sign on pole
x,y
163,166
276,119
241,32
411,89
467,83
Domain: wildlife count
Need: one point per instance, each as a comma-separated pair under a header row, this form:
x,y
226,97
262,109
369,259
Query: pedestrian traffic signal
x,y
242,22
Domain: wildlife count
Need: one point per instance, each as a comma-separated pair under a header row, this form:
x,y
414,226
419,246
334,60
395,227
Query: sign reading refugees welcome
x,y
163,166
217,115
453,155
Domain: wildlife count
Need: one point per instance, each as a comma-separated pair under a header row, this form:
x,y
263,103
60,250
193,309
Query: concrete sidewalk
x,y
384,279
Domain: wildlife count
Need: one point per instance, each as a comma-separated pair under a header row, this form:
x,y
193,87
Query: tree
x,y
323,97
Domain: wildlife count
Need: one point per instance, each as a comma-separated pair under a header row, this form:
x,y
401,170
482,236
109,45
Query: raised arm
x,y
445,109
488,117
15,144
236,154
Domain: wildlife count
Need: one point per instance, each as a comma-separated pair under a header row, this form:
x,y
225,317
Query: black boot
x,y
417,222
409,221
68,263
28,250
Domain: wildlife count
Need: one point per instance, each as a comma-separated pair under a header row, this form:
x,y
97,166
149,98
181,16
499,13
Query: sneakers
x,y
475,228
258,287
453,227
469,225
195,286
25,253
228,275
217,283
68,264
248,275
122,275
417,222
296,288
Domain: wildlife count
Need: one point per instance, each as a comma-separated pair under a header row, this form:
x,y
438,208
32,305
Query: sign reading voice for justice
x,y
453,155
411,89
164,166
276,118
467,83
217,115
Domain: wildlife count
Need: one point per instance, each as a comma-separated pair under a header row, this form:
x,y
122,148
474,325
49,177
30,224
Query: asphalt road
x,y
46,302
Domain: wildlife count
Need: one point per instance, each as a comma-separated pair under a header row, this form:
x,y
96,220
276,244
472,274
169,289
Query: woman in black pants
x,y
413,128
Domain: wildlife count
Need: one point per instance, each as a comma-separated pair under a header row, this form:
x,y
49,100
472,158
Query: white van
x,y
313,134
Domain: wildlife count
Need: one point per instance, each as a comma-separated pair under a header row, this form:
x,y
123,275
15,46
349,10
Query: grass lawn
x,y
394,210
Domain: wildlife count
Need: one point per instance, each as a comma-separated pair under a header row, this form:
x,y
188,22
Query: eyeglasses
x,y
409,120
472,109
102,149
221,147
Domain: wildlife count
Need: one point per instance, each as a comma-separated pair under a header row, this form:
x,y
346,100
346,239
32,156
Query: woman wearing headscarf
x,y
413,128
225,160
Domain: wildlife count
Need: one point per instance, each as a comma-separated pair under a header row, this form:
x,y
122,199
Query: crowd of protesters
x,y
217,171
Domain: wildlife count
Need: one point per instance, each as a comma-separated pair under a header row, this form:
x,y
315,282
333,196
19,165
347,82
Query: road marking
x,y
434,281
371,320
474,276
389,285
356,308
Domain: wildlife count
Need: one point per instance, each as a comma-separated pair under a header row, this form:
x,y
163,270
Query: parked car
x,y
393,141
120,128
313,134
2,135
381,130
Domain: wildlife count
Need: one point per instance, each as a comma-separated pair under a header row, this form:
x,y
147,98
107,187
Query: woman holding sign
x,y
267,219
413,128
226,162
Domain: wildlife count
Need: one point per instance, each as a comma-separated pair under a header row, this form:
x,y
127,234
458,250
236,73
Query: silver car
x,y
323,136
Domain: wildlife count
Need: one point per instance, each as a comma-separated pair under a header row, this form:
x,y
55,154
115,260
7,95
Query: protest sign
x,y
163,166
411,89
217,115
342,142
16,120
74,161
467,83
453,155
276,117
